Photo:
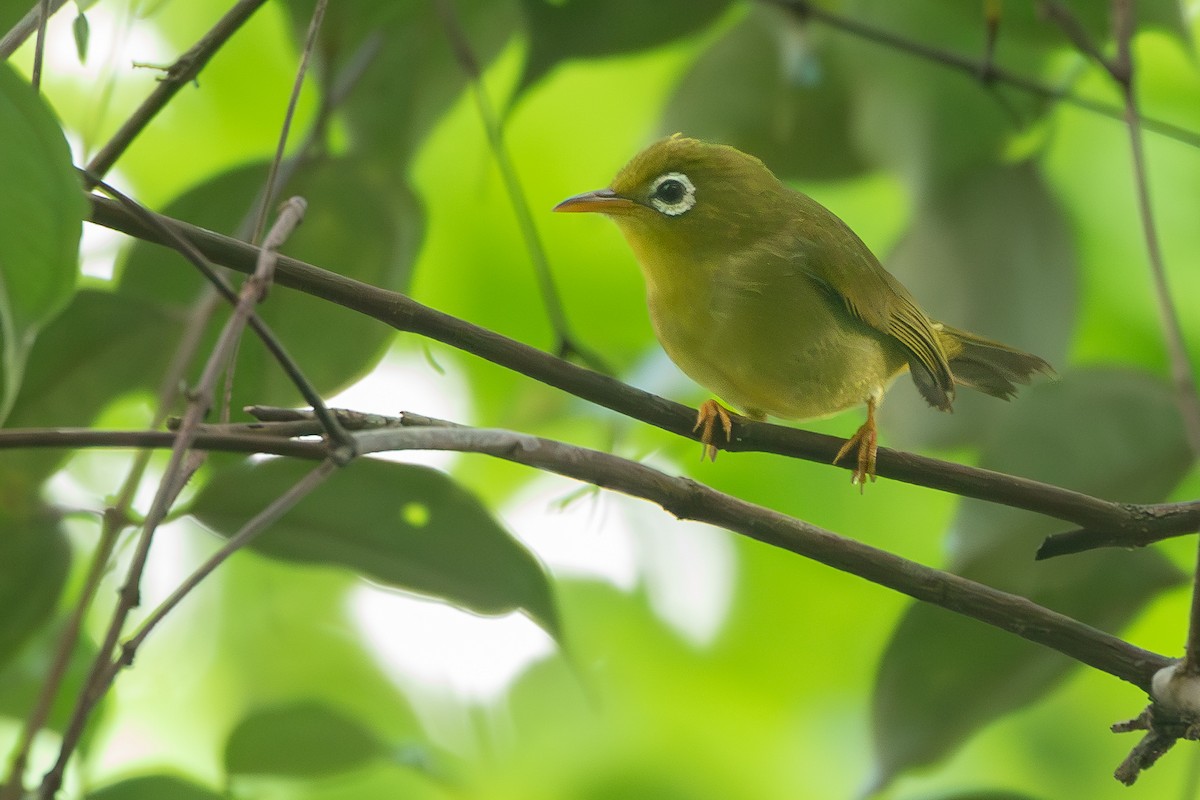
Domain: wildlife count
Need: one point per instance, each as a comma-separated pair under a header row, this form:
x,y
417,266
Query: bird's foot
x,y
711,412
866,440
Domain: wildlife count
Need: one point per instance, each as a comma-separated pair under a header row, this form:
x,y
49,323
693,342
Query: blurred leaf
x,y
931,123
773,88
1024,23
985,794
154,787
593,28
22,678
34,557
629,782
409,527
41,217
303,740
1111,433
269,611
103,345
81,31
991,254
358,224
412,76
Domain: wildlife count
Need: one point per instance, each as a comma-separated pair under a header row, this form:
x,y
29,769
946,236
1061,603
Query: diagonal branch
x,y
405,314
979,70
567,344
183,463
1121,69
271,189
27,25
170,237
182,72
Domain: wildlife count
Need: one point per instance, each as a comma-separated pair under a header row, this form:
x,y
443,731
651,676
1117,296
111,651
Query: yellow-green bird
x,y
766,298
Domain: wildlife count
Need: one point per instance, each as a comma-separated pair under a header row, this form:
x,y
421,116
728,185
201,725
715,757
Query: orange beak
x,y
604,201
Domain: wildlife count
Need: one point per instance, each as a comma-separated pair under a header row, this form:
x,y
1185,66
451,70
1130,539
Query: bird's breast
x,y
768,341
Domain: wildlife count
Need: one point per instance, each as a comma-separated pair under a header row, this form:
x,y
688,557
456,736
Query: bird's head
x,y
697,200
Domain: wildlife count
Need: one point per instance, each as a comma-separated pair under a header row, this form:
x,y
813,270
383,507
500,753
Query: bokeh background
x,y
681,662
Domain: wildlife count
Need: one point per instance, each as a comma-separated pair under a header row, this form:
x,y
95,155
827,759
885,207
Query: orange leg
x,y
712,412
866,440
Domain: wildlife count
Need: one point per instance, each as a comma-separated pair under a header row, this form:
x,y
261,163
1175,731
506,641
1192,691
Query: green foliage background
x,y
1010,217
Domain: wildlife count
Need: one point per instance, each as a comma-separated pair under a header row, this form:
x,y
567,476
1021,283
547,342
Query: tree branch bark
x,y
686,499
1112,523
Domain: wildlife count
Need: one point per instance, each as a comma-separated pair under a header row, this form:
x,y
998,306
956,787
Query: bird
x,y
771,302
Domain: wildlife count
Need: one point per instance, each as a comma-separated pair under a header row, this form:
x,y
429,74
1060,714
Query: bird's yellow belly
x,y
768,354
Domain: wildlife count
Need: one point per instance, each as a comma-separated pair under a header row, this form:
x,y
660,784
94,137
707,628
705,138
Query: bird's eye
x,y
672,193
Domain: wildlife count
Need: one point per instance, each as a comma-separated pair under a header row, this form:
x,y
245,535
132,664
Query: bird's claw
x,y
710,413
866,439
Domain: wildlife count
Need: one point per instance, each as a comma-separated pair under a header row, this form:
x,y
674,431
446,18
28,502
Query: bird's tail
x,y
987,366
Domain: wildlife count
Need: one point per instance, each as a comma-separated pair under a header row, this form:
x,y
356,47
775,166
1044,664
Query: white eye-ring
x,y
672,193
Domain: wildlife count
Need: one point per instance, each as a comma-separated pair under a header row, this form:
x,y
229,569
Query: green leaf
x,y
34,557
302,740
406,526
593,28
1023,24
102,346
358,224
41,218
81,32
390,116
993,254
22,678
154,787
1108,432
774,89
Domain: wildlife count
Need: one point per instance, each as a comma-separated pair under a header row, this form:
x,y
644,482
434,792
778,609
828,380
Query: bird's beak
x,y
604,201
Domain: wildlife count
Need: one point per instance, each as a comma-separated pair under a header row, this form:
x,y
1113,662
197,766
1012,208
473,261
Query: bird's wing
x,y
832,255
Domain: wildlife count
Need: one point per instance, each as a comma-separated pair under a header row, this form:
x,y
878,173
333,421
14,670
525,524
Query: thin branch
x,y
27,25
269,191
567,344
1121,69
170,237
182,72
181,465
1073,29
1181,365
232,442
39,49
248,532
1083,539
114,520
405,314
991,73
685,499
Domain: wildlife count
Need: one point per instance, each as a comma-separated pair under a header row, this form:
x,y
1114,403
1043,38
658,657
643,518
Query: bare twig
x,y
405,314
236,441
1181,369
1121,69
270,190
182,72
171,237
806,9
248,532
115,519
179,468
39,50
29,23
1163,730
567,344
1073,29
